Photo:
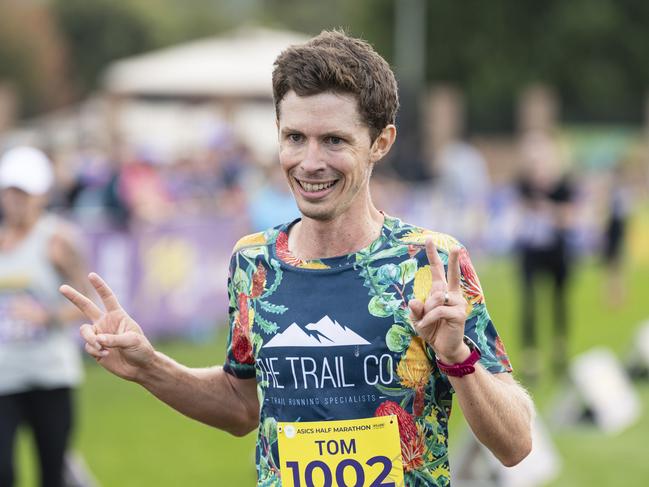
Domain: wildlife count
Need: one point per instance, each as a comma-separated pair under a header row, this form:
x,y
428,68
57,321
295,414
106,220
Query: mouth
x,y
316,189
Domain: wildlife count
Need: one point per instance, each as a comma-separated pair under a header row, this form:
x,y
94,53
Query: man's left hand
x,y
440,319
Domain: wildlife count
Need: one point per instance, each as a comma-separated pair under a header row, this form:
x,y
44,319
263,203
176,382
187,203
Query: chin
x,y
318,214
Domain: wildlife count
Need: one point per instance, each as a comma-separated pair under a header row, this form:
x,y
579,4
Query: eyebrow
x,y
332,133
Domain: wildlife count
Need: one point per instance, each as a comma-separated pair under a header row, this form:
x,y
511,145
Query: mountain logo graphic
x,y
324,333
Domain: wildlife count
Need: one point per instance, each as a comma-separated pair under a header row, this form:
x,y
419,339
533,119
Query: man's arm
x,y
116,341
497,409
210,395
499,412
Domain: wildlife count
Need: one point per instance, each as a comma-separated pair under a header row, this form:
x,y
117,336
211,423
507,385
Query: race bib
x,y
353,453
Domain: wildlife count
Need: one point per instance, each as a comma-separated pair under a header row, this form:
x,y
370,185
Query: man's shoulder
x,y
415,235
259,239
251,240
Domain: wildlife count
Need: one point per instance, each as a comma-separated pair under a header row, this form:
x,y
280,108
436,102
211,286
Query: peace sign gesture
x,y
114,339
440,319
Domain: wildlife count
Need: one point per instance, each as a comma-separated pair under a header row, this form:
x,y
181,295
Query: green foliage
x,y
32,57
277,309
98,32
592,52
241,281
268,327
397,338
383,305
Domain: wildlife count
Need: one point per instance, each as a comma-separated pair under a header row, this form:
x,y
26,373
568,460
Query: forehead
x,y
323,112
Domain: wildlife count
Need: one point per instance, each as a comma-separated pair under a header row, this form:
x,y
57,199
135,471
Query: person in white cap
x,y
39,359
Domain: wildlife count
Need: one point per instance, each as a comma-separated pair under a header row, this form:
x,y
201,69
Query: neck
x,y
21,225
315,239
15,231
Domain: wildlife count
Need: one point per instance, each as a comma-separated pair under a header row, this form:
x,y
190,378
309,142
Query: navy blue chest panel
x,y
329,353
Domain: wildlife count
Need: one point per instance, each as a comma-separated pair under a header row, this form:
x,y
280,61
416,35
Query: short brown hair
x,y
333,61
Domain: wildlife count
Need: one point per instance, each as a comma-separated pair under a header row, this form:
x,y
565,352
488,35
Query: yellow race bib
x,y
352,453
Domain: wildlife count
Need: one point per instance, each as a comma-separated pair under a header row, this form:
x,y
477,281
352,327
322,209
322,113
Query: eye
x,y
333,140
295,137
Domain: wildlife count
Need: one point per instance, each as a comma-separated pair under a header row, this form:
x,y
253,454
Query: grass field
x,y
129,439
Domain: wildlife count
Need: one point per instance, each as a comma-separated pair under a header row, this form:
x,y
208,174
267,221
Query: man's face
x,y
325,152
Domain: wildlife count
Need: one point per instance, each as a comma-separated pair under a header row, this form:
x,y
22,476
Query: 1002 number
x,y
340,472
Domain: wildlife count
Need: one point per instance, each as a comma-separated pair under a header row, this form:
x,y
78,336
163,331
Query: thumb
x,y
124,340
416,309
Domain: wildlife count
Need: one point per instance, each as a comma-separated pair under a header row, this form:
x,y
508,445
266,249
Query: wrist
x,y
147,372
460,364
456,357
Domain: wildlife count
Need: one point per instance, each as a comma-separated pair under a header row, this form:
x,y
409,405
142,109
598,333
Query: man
x,y
337,315
39,359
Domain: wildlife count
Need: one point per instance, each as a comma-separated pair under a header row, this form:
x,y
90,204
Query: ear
x,y
383,143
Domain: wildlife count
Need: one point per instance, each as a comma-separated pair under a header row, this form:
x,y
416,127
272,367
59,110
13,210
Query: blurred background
x,y
523,131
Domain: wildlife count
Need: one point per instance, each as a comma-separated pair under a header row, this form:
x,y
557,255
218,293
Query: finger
x,y
436,265
428,331
124,340
92,351
89,335
436,298
454,270
445,299
85,305
448,313
416,309
105,292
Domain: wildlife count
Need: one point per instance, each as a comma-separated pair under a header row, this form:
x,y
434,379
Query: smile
x,y
315,187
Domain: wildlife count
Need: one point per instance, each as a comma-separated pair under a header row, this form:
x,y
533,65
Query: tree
x,y
32,56
98,32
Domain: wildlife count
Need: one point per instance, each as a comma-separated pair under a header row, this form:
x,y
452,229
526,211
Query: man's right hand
x,y
114,339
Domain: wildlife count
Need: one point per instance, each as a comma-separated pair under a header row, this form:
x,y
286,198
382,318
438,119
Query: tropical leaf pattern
x,y
391,270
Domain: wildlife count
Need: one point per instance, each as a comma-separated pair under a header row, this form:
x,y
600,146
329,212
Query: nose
x,y
312,160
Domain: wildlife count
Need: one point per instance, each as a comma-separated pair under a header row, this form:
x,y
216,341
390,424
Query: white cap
x,y
27,169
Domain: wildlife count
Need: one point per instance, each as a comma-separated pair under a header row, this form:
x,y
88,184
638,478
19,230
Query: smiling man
x,y
350,330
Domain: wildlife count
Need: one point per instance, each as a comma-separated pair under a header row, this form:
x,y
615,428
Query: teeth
x,y
312,188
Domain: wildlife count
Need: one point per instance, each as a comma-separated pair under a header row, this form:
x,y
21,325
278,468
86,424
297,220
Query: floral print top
x,y
331,339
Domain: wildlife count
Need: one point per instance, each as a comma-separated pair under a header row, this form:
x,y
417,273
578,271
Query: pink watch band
x,y
463,368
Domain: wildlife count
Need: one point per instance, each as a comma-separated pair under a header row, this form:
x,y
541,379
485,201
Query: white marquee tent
x,y
238,65
174,99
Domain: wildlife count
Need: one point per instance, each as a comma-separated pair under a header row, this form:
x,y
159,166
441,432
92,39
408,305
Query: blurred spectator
x,y
240,172
194,184
95,196
272,203
462,181
391,195
39,359
212,179
615,226
546,204
143,190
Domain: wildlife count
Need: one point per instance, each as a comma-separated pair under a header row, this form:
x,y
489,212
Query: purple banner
x,y
172,278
